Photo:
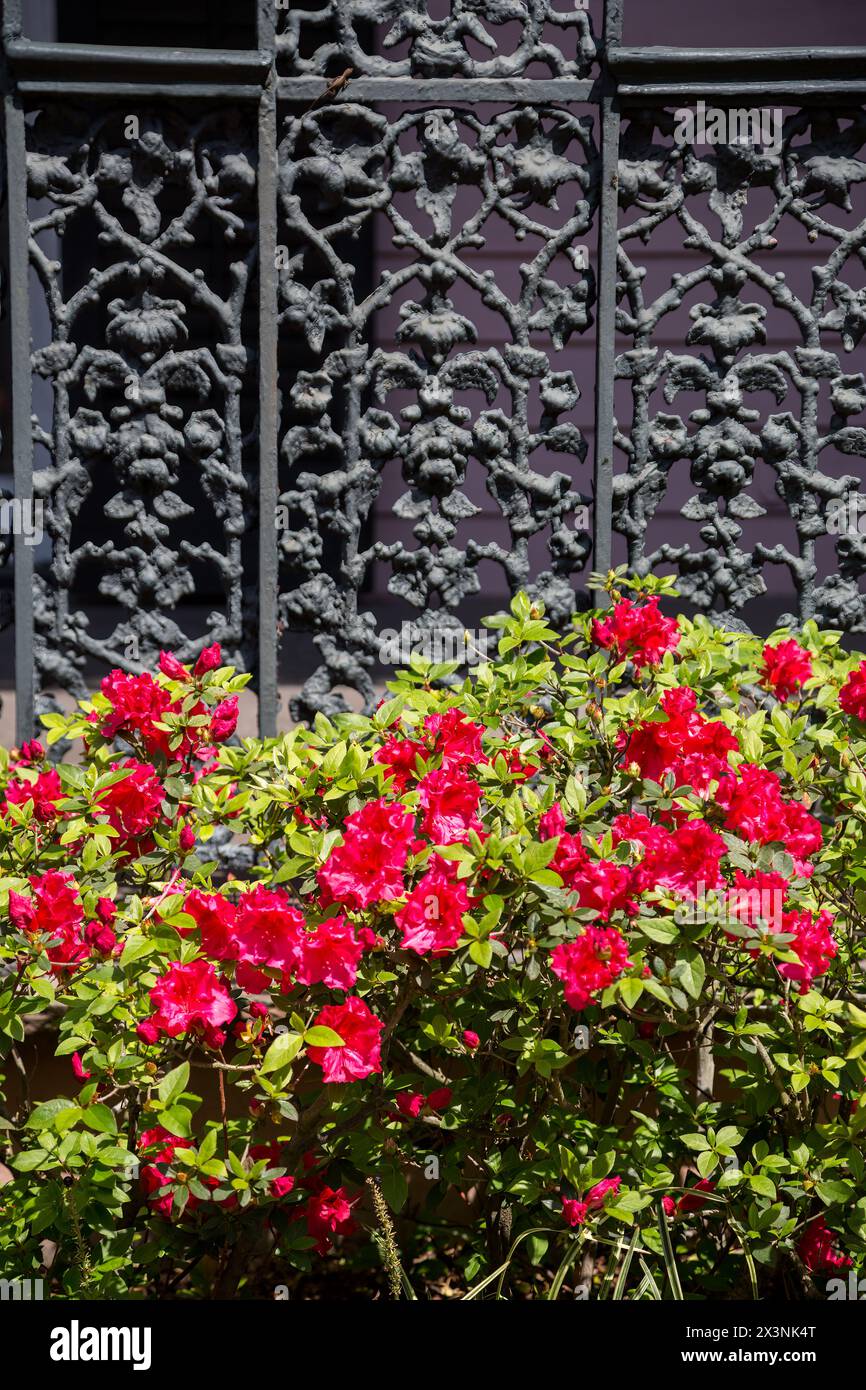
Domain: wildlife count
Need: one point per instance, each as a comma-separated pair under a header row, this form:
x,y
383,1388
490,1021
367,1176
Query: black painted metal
x,y
223,472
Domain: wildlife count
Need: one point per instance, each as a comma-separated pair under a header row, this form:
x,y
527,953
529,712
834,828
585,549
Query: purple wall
x,y
743,23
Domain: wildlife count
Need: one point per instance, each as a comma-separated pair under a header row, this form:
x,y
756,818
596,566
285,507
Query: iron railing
x,y
235,377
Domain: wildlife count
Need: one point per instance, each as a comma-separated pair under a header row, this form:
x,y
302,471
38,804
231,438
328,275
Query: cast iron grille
x,y
334,292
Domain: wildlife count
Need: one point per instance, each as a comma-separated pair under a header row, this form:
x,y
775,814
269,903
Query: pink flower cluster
x,y
55,913
687,744
139,706
817,1248
132,804
785,668
683,856
637,632
263,932
575,1212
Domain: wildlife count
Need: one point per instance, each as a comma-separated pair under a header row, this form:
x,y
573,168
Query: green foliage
x,y
538,1110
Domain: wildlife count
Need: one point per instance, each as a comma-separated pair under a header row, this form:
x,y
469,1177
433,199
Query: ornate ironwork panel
x,y
438,179
390,38
146,360
306,309
763,408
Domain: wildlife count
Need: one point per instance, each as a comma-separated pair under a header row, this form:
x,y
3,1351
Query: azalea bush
x,y
545,982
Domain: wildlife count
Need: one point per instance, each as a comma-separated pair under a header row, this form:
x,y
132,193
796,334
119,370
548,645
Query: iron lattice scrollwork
x,y
285,317
147,420
520,165
353,32
710,196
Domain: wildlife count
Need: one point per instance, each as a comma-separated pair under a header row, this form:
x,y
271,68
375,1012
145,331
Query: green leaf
x,y
631,990
44,1115
658,930
689,971
707,1163
394,1185
65,1119
482,953
320,1036
696,1142
834,1191
538,856
764,1186
100,1118
178,1120
173,1084
115,1156
208,1146
134,947
282,1051
32,1158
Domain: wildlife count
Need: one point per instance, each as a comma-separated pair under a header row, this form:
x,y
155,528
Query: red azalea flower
x,y
785,667
31,751
455,738
361,1032
552,823
637,631
215,918
45,791
693,1200
589,964
813,944
687,862
368,866
157,1183
573,1211
449,799
432,919
224,719
602,885
817,1248
132,805
328,955
410,1104
56,911
640,830
471,1039
170,666
329,1213
209,659
78,1067
596,1196
693,748
754,808
757,896
190,998
266,928
570,858
852,696
137,705
101,938
399,756
186,838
